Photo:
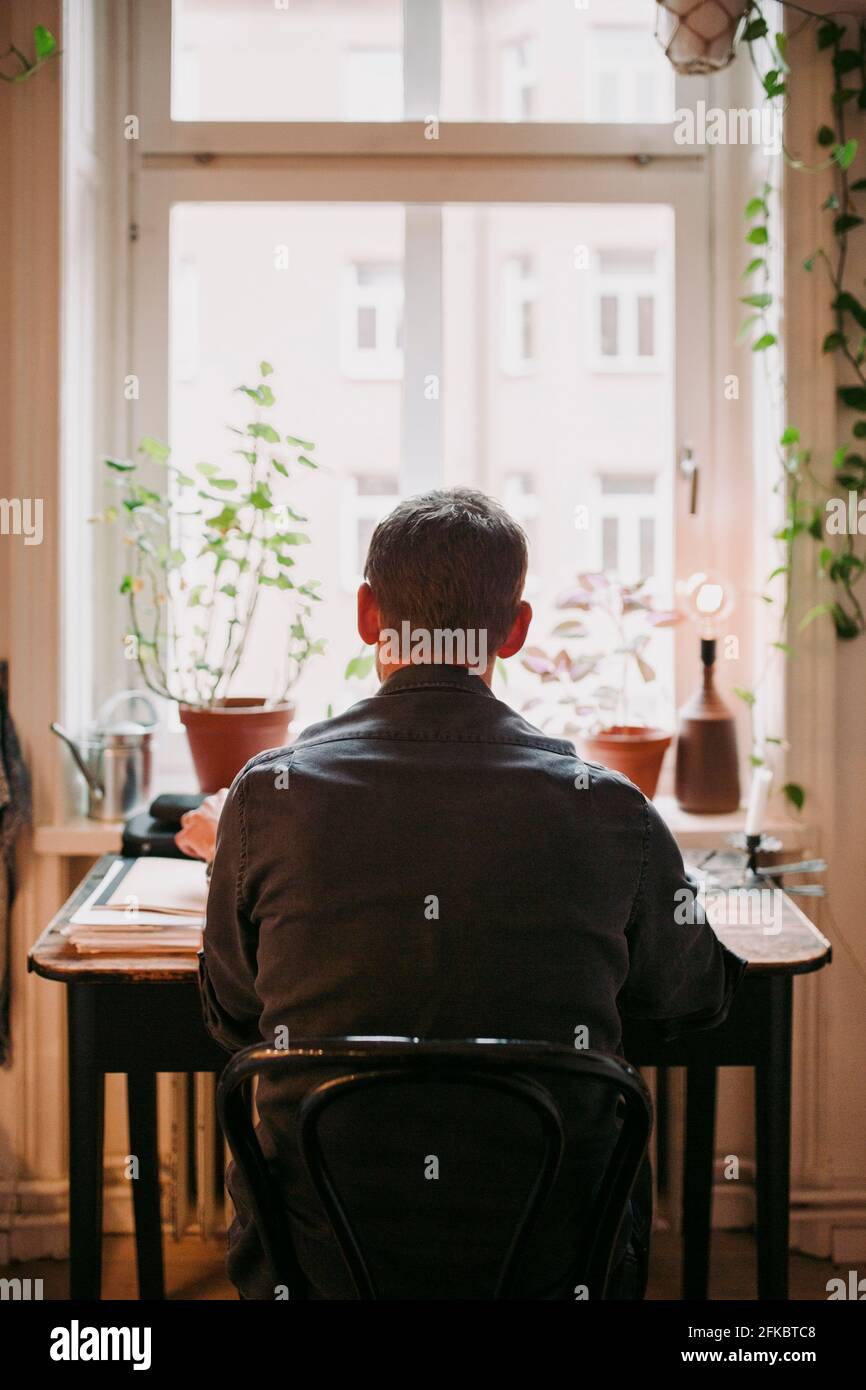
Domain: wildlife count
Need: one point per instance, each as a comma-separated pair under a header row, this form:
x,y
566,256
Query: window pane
x,y
582,458
646,310
273,282
609,309
552,60
304,60
343,60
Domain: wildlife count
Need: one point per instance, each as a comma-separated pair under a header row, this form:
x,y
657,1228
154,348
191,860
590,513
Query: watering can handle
x,y
116,700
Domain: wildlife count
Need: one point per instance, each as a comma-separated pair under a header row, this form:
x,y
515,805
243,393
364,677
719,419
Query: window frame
x,y
505,162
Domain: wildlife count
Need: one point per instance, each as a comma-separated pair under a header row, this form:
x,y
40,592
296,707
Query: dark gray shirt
x,y
430,864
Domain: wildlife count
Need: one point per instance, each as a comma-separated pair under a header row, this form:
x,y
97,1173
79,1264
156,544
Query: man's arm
x,y
227,964
680,974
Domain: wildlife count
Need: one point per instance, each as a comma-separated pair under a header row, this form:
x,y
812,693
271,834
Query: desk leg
x,y
141,1105
773,1140
698,1178
86,1119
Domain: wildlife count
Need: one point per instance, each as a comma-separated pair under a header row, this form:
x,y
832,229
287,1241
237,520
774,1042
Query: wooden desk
x,y
140,1015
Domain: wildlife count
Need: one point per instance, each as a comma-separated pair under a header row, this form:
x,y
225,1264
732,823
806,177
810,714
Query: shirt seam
x,y
415,736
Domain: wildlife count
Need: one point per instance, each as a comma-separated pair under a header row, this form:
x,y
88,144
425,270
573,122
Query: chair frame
x,y
509,1067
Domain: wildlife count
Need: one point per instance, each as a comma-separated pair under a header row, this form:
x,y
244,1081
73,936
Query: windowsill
x,y
82,837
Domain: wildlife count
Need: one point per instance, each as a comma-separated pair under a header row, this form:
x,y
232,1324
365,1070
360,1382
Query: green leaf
x,y
766,340
757,301
154,449
743,331
755,760
126,584
826,136
846,303
308,463
830,34
261,498
833,342
299,443
859,430
757,205
790,436
292,538
845,155
747,696
795,794
758,236
120,466
853,396
817,612
224,484
207,470
280,467
226,520
359,667
266,369
754,265
755,29
858,186
44,42
846,223
846,60
229,590
264,432
789,651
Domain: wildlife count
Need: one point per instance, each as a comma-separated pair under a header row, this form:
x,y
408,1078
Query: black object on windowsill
x,y
153,831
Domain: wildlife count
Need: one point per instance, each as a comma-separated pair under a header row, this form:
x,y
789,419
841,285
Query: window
x,y
519,313
478,307
630,79
373,329
631,522
367,498
519,79
628,316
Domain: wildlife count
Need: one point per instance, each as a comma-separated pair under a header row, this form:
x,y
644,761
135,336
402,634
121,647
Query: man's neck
x,y
385,670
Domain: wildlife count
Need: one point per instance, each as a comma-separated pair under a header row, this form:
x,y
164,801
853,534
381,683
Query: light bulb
x,y
707,600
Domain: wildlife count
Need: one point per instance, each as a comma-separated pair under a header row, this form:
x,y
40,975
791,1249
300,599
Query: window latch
x,y
689,470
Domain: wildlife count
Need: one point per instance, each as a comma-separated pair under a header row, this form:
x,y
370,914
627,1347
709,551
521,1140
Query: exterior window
x,y
520,311
630,78
367,498
628,328
373,329
519,69
630,519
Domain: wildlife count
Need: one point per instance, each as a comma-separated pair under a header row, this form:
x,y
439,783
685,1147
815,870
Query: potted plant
x,y
602,718
204,542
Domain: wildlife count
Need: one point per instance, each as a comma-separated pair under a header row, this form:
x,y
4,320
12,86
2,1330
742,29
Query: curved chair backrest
x,y
361,1064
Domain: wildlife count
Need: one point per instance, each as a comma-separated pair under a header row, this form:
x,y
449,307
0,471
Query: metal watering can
x,y
115,758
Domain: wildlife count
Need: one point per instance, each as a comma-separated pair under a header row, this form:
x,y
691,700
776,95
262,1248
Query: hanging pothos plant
x,y
815,511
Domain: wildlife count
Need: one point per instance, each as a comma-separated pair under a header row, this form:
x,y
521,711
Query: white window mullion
x,y
421,464
422,58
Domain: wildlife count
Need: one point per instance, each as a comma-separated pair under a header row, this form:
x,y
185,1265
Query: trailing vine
x,y
815,510
44,47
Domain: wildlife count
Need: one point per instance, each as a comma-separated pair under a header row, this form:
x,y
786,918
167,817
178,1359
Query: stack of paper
x,y
144,905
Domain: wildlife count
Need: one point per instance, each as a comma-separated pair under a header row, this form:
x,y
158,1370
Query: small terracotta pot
x,y
631,749
223,738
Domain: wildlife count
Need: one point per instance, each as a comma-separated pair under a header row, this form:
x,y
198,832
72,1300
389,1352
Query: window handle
x,y
689,470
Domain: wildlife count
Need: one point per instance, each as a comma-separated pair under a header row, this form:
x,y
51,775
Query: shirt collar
x,y
434,677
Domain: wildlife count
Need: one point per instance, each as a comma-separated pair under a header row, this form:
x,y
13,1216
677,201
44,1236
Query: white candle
x,y
758,796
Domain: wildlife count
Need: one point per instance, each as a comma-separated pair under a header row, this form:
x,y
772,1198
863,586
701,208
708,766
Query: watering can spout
x,y
96,790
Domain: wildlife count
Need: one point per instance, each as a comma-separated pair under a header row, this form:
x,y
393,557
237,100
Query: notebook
x,y
143,905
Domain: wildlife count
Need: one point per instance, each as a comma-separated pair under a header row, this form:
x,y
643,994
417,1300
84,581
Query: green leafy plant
x,y
808,483
45,48
205,542
628,616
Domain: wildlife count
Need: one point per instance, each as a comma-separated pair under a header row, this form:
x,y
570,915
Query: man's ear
x,y
519,628
369,618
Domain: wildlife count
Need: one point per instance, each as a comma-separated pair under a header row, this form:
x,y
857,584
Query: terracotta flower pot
x,y
225,737
634,751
